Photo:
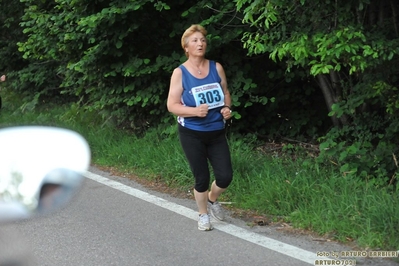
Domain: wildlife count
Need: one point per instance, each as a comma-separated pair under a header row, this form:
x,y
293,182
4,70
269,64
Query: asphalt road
x,y
115,221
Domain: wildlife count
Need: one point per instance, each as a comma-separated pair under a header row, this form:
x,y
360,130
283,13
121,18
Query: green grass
x,y
298,191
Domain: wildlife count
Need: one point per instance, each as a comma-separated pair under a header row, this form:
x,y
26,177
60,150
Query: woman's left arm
x,y
223,83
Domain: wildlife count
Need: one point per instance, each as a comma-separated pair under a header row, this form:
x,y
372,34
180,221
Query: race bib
x,y
211,94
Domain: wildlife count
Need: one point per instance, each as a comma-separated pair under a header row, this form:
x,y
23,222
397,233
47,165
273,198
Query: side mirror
x,y
41,168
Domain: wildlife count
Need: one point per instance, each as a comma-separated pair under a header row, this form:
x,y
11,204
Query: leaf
x,y
118,44
237,115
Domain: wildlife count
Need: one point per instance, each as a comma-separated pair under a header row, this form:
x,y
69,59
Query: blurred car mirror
x,y
41,168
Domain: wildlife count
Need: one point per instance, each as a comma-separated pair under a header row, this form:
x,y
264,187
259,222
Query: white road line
x,y
280,247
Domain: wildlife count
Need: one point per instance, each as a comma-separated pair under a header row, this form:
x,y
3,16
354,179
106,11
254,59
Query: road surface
x,y
115,221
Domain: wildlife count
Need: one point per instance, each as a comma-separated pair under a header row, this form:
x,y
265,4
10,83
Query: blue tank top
x,y
199,91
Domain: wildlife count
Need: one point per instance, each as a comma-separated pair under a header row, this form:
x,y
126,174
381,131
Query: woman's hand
x,y
202,110
226,113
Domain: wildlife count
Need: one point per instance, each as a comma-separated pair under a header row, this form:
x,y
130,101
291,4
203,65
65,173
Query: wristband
x,y
227,107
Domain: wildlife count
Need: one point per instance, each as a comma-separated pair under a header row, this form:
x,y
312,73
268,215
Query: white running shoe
x,y
216,210
204,222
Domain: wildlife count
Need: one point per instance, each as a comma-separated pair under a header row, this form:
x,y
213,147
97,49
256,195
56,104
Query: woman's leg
x,y
215,192
201,198
196,154
219,156
220,159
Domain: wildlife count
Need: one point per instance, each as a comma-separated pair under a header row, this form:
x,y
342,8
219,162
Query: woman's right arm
x,y
174,99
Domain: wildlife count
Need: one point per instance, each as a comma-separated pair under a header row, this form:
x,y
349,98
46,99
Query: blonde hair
x,y
192,29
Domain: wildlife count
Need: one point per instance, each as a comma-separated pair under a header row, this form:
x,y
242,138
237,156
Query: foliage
x,y
10,31
113,58
301,61
352,52
113,55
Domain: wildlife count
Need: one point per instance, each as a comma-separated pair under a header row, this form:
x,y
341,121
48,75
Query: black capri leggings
x,y
201,146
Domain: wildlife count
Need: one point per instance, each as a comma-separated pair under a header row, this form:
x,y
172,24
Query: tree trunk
x,y
332,91
394,17
326,89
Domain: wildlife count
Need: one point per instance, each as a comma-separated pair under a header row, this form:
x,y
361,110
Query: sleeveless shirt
x,y
199,91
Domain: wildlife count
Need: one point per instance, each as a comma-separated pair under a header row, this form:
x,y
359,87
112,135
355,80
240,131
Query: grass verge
x,y
300,191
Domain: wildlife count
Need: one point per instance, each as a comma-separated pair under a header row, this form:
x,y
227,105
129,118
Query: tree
x,y
113,55
11,11
114,59
351,49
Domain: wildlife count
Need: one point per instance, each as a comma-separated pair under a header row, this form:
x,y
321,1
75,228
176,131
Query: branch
x,y
326,89
311,146
394,15
226,12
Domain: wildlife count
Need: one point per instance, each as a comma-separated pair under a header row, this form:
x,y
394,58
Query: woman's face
x,y
196,45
